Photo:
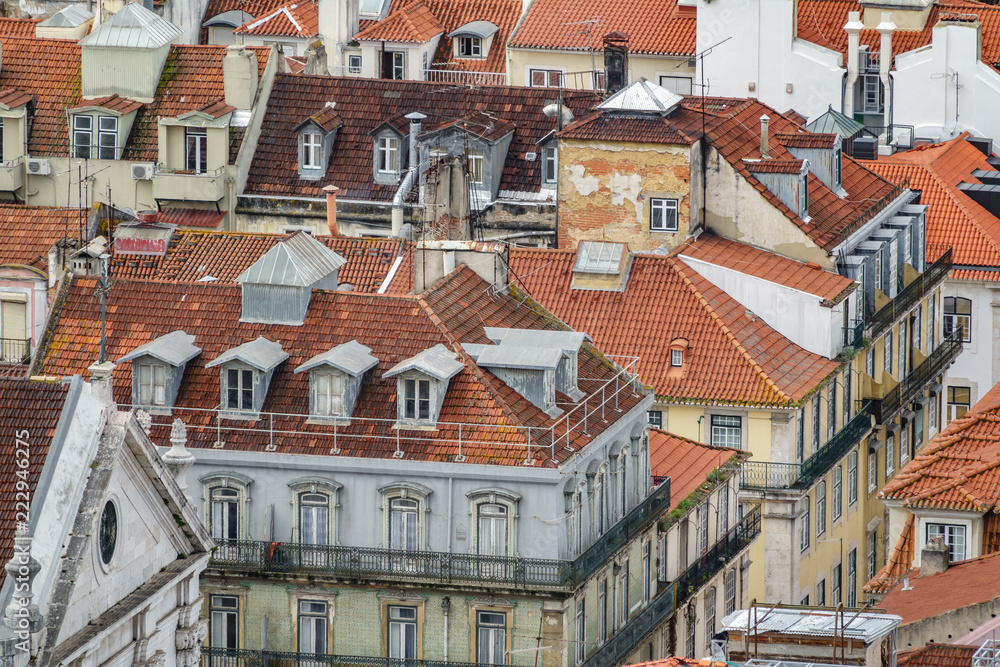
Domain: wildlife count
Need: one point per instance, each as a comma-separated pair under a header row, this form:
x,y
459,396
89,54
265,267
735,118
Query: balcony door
x,y
404,529
14,324
312,628
196,149
226,521
492,538
314,528
402,640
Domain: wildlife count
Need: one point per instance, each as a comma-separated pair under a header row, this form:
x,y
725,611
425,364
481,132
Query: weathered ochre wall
x,y
604,189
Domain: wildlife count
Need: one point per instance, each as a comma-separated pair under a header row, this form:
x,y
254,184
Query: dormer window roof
x,y
335,379
642,96
480,29
11,98
569,342
246,373
599,257
504,358
175,348
438,362
351,357
262,354
316,136
157,369
422,382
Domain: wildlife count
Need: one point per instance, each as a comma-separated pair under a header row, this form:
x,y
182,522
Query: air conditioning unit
x,y
142,171
39,166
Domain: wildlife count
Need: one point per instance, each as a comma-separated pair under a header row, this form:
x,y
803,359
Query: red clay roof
x,y
686,462
963,584
806,139
115,102
453,14
937,655
291,20
364,104
731,357
412,23
12,98
30,231
453,312
33,408
18,27
643,129
191,217
808,278
255,8
658,27
959,469
773,166
898,563
954,218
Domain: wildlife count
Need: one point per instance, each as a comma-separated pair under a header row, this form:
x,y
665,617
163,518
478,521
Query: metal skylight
x,y
599,257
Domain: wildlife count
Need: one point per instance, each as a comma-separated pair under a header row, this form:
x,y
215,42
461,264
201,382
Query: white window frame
x,y
469,46
152,389
107,131
196,138
838,493
852,478
672,83
241,388
405,491
730,587
548,74
676,358
664,214
820,508
949,530
319,620
311,150
476,158
354,63
387,155
232,481
872,472
726,434
224,609
325,397
953,319
414,403
805,535
550,164
83,136
890,455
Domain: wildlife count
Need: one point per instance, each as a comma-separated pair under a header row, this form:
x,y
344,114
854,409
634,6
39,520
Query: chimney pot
x,y
101,382
764,140
331,209
935,557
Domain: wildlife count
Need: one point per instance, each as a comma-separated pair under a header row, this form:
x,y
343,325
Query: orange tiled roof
x,y
954,219
18,27
30,231
645,129
452,312
937,655
412,23
686,462
963,584
959,469
732,357
115,102
255,8
12,98
898,562
191,217
808,278
658,27
193,255
294,20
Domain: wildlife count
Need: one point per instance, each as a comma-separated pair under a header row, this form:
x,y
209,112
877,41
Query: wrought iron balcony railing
x,y
228,657
732,543
914,383
362,563
15,351
767,475
910,295
660,608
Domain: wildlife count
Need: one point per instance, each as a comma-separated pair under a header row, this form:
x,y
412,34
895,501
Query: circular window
x,y
108,537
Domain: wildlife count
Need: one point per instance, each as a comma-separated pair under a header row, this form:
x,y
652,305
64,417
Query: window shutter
x,y
14,319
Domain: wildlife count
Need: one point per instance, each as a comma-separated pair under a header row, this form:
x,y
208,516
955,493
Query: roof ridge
x,y
725,328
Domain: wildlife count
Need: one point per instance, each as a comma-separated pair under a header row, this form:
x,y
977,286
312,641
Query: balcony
x,y
921,376
366,564
12,175
768,476
225,657
715,559
15,351
466,78
181,185
911,295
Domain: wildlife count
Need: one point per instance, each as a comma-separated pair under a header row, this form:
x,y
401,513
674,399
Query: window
x,y
730,591
872,472
954,537
918,433
820,508
196,151
838,491
311,150
404,520
492,533
846,397
354,64
831,411
887,351
676,358
107,137
676,84
895,277
1,139
723,510
417,399
655,418
224,613
402,640
83,136
581,631
682,544
835,583
387,158
476,166
852,577
804,538
890,455
152,384
545,78
239,389
470,47
959,401
710,595
932,415
703,528
329,394
646,571
314,518
393,65
550,164
312,627
623,603
800,435
872,554
821,593
727,431
623,483
602,611
597,79
108,532
903,368
916,328
600,490
958,318
804,601
838,159
689,647
870,361
225,517
931,322
815,421
852,478
663,215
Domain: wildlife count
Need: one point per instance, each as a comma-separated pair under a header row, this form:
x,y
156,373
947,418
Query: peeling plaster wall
x,y
604,188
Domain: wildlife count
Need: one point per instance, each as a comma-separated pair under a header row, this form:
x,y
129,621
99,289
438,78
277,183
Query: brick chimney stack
x,y
331,209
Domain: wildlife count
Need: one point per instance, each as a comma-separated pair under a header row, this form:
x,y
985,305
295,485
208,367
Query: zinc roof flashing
x,y
351,357
175,348
263,354
298,260
438,362
133,26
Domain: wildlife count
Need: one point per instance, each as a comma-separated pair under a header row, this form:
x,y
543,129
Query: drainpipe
x,y
411,174
445,608
854,27
885,29
764,140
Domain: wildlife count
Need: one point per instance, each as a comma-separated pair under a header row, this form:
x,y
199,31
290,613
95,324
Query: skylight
x,y
599,257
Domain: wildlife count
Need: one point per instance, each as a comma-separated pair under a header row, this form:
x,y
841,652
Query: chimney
x,y
411,174
331,209
615,62
239,76
101,382
764,141
935,557
415,118
854,27
885,29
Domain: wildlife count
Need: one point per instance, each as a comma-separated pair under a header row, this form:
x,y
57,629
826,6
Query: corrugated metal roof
x,y
518,356
175,348
133,26
68,17
351,357
567,341
481,29
234,18
261,353
642,95
868,627
834,122
438,362
298,260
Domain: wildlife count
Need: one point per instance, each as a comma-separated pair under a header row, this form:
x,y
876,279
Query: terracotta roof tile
x,y
495,418
644,129
773,166
806,139
364,104
453,14
480,123
255,8
963,584
290,20
30,231
730,358
412,23
115,102
898,563
18,27
12,98
686,462
659,27
191,217
937,655
769,266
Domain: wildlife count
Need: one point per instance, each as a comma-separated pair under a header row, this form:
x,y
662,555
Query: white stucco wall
x,y
978,364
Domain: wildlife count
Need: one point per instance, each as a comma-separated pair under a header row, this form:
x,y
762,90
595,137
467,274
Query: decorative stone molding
x,y
490,601
178,459
145,420
22,613
188,642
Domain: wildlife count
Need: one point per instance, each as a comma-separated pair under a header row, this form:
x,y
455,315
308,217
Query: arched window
x,y
404,524
958,318
623,483
314,518
225,514
600,489
226,499
493,513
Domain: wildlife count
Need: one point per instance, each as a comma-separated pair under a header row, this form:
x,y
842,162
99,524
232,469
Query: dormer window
x,y
416,399
676,358
470,47
422,384
157,370
316,136
152,384
246,373
677,349
473,39
83,136
530,370
335,380
804,199
310,144
476,166
387,155
239,389
838,158
568,342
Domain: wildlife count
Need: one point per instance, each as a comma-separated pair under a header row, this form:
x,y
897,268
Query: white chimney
x,y
764,141
885,29
338,24
239,76
854,27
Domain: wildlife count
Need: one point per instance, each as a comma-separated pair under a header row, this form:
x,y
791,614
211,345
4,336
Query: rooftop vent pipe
x,y
764,120
411,174
554,109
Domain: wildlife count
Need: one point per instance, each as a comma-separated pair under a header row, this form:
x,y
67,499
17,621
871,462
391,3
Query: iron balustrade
x,y
904,392
616,648
911,294
365,563
15,350
826,456
765,475
229,657
715,559
464,77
